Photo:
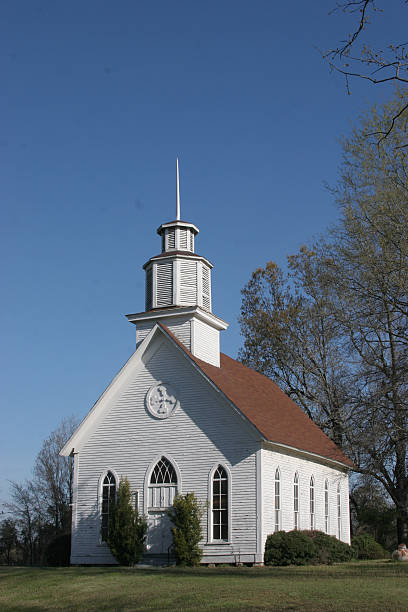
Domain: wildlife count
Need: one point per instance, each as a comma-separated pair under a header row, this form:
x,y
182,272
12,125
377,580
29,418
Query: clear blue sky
x,y
97,99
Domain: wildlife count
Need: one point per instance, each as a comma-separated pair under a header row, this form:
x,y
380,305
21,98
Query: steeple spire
x,y
178,194
178,290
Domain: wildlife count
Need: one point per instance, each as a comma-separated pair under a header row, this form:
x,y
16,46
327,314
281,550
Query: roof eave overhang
x,y
191,226
72,444
177,255
179,311
323,459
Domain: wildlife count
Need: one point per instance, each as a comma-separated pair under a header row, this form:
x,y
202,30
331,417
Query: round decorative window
x,y
161,400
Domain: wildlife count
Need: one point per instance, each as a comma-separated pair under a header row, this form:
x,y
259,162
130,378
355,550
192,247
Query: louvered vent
x,y
183,237
188,282
171,239
206,288
192,242
164,281
149,277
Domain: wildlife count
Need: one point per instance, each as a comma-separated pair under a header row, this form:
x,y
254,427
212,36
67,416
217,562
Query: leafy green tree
x,y
186,514
127,528
291,336
334,330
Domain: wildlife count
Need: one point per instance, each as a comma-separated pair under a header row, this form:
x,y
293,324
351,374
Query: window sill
x,y
219,543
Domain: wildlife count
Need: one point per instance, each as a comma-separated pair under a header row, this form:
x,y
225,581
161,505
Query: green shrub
x,y
58,551
289,548
305,548
127,528
329,548
185,514
365,547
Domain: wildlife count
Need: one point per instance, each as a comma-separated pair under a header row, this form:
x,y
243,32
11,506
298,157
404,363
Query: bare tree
x,y
53,476
358,57
41,507
26,512
8,540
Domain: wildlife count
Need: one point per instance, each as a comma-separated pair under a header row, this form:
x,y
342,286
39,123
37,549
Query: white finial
x,y
178,194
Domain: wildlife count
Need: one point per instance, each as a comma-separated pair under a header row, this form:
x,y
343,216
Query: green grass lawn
x,y
374,585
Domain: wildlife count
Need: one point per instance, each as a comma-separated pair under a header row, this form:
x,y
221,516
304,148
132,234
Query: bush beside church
x,y
316,547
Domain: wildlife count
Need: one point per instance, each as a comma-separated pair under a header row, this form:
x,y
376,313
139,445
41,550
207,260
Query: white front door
x,y
159,536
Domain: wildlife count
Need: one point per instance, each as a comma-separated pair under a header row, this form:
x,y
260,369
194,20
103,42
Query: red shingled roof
x,y
267,407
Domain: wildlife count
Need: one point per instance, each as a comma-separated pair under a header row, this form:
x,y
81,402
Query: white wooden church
x,y
180,416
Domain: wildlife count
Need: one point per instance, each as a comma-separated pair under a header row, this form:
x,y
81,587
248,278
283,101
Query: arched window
x,y
326,506
277,501
296,501
338,512
108,498
220,504
312,503
163,485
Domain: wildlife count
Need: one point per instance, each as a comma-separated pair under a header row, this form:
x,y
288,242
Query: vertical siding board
x,y
202,432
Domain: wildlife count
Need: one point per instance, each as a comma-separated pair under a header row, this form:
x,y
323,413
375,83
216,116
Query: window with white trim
x,y
277,500
108,499
296,501
338,511
326,506
163,485
220,504
312,503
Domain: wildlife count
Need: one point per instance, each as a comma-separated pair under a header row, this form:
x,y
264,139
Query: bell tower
x,y
178,291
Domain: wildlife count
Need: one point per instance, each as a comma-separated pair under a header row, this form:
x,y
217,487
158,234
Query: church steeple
x,y
178,276
178,289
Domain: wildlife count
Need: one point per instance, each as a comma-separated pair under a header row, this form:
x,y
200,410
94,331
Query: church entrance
x,y
162,491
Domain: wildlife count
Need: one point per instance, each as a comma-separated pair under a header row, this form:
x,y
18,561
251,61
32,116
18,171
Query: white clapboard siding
x,y
288,464
180,327
164,283
206,342
182,330
188,282
149,288
203,432
206,284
